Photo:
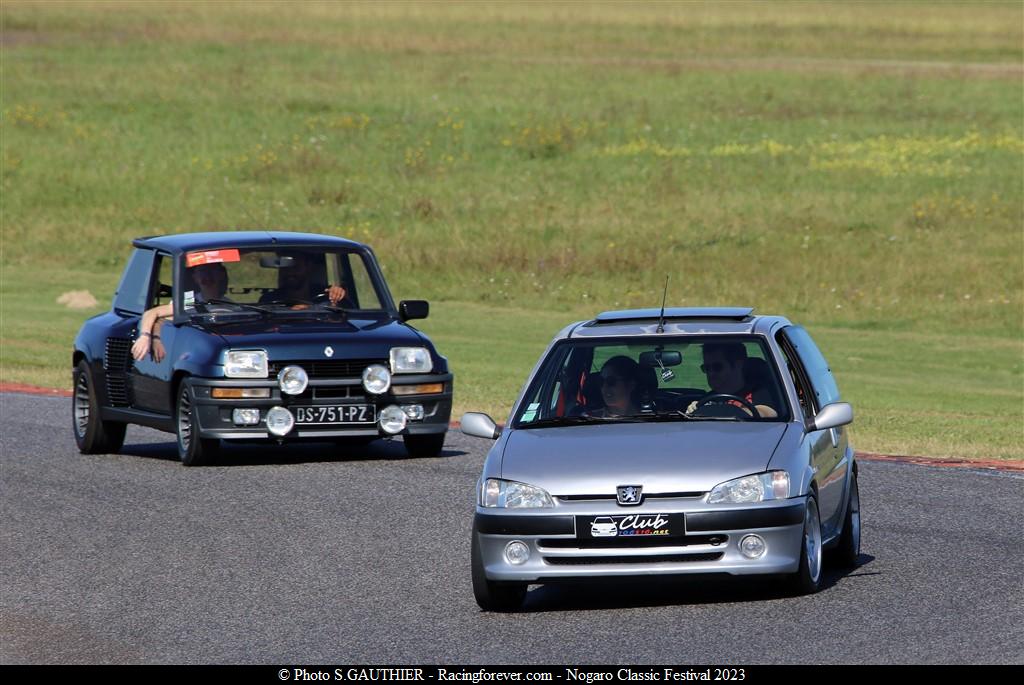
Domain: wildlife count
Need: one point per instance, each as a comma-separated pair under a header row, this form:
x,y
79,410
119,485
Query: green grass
x,y
858,168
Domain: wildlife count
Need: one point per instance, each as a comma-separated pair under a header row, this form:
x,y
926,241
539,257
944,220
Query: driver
x,y
723,366
296,284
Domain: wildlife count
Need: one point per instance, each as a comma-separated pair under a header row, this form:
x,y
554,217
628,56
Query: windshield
x,y
276,281
711,378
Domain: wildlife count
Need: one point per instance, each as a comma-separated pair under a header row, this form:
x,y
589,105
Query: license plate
x,y
630,525
341,413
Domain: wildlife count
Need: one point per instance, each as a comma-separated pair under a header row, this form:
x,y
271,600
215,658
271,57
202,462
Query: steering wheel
x,y
725,400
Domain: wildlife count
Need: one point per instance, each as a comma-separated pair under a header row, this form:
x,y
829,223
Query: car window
x,y
574,378
278,280
818,372
133,291
161,292
808,404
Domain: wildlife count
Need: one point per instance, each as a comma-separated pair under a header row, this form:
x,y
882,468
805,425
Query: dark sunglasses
x,y
713,367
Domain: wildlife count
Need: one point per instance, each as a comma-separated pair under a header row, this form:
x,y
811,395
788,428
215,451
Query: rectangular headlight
x,y
245,364
410,360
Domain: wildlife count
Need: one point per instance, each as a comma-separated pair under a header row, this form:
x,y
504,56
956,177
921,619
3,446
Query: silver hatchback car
x,y
650,442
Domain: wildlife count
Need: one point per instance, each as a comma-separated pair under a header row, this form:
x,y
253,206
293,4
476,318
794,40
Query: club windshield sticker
x,y
211,257
190,298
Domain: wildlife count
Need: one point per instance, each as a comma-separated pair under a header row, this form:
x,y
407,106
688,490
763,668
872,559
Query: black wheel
x,y
92,434
491,595
848,550
424,446
807,580
192,450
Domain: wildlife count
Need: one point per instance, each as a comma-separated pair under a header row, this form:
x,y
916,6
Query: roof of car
x,y
184,242
678,320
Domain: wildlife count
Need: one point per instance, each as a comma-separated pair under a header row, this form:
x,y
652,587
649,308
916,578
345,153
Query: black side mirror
x,y
164,290
413,309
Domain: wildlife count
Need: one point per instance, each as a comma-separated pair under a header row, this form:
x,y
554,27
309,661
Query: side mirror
x,y
479,426
413,309
832,416
163,290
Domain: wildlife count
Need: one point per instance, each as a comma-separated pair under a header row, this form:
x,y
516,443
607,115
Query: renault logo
x,y
628,494
328,351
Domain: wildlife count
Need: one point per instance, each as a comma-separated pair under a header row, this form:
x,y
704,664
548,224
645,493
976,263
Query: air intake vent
x,y
117,362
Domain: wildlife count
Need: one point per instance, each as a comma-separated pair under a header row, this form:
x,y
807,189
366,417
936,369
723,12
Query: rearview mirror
x,y
275,262
667,357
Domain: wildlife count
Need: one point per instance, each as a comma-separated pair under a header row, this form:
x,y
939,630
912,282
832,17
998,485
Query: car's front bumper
x,y
215,415
710,543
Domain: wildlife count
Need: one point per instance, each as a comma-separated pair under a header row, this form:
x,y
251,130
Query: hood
x,y
661,457
299,338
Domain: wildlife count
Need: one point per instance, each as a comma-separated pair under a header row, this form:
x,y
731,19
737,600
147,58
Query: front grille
x,y
319,369
632,542
666,559
117,362
613,498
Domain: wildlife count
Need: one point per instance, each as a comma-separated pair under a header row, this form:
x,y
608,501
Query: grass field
x,y
856,167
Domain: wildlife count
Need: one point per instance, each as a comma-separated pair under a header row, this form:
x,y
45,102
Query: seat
x,y
759,379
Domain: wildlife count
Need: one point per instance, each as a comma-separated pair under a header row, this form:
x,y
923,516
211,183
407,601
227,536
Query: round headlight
x,y
293,380
280,421
392,419
376,379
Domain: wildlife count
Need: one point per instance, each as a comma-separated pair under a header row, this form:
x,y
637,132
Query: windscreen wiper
x,y
243,305
575,421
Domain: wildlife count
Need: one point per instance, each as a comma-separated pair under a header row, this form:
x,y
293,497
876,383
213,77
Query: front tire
x,y
192,450
492,596
424,446
807,579
92,434
847,551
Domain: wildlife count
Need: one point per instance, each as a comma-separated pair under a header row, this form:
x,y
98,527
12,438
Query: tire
x,y
847,551
192,450
92,434
807,579
490,595
424,446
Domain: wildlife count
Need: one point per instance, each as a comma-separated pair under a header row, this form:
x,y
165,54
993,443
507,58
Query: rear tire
x,y
424,446
807,579
92,434
490,595
847,551
192,450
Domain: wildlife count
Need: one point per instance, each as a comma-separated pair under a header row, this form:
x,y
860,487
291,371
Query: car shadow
x,y
251,454
631,593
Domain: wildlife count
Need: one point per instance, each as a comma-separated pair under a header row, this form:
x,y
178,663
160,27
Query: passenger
x,y
297,285
212,281
619,387
723,365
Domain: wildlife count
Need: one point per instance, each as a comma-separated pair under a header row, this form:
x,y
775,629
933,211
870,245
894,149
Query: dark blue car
x,y
257,336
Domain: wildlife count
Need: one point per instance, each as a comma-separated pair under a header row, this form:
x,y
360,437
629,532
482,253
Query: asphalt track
x,y
316,555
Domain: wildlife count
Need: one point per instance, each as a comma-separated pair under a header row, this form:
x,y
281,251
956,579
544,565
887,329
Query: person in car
x,y
212,283
297,284
619,383
725,366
